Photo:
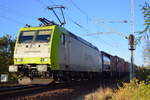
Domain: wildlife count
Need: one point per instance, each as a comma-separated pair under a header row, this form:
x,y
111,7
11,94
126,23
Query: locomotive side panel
x,y
79,56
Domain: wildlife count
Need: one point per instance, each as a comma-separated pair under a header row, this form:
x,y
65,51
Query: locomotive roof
x,y
83,41
79,38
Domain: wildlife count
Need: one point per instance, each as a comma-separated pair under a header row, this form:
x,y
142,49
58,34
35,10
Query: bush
x,y
143,74
100,94
135,90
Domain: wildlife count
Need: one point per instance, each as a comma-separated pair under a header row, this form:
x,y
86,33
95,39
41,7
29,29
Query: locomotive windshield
x,y
43,36
26,36
34,36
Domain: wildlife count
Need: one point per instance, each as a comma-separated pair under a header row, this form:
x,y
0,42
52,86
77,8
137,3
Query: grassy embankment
x,y
137,89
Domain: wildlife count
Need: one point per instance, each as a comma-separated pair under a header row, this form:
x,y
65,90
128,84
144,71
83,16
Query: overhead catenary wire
x,y
108,44
110,29
132,17
44,4
51,2
84,27
77,7
41,3
76,23
54,12
12,20
6,9
106,27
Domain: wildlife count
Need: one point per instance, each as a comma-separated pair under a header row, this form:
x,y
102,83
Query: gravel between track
x,y
73,93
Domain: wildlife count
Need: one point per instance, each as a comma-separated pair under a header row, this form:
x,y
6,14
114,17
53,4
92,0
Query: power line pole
x,y
131,48
131,41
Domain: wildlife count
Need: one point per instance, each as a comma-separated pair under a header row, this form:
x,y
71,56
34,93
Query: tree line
x,y
7,44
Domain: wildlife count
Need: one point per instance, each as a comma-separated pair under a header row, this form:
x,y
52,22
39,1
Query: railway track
x,y
6,93
21,91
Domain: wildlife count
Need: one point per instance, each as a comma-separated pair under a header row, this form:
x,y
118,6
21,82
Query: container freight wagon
x,y
106,64
127,66
114,66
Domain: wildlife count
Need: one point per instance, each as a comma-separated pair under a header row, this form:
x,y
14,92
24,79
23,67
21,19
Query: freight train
x,y
51,51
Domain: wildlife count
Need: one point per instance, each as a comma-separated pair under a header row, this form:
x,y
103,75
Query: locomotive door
x,y
67,51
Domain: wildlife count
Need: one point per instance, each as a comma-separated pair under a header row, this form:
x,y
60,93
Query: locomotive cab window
x,y
26,36
35,36
43,36
63,39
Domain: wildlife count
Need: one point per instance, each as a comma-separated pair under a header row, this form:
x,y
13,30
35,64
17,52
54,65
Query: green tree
x,y
146,13
6,52
145,33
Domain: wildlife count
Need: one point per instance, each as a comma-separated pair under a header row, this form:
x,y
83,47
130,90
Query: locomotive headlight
x,y
13,68
42,68
18,59
45,59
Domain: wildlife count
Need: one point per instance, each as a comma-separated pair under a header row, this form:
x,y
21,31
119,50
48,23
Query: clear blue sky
x,y
14,14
